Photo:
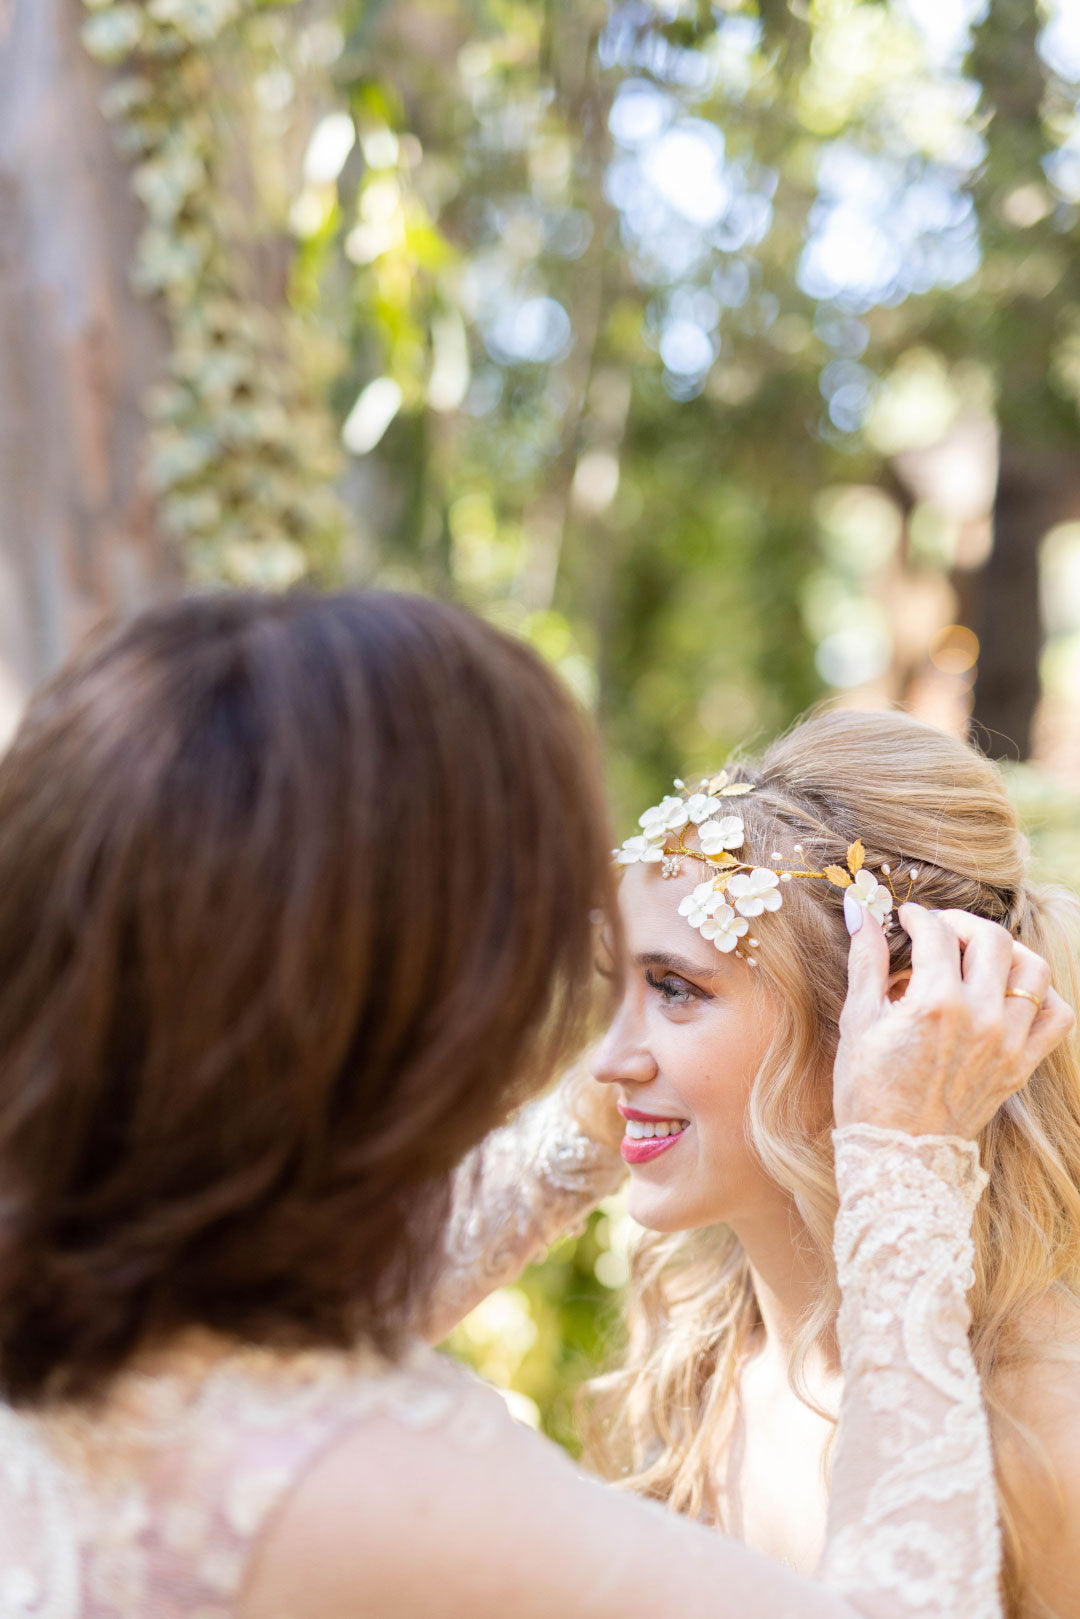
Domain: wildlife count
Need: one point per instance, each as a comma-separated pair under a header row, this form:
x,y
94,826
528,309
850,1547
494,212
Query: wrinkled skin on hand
x,y
942,1059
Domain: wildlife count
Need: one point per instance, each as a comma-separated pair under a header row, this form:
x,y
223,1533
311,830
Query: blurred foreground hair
x,y
295,900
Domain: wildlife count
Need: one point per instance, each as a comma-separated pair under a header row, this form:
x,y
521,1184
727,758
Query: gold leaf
x,y
719,782
838,876
722,859
737,789
855,856
722,881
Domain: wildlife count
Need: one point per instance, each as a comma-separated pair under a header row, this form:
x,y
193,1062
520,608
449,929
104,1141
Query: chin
x,y
656,1212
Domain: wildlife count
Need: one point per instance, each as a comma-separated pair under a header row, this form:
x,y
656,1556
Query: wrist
x,y
591,1107
880,1161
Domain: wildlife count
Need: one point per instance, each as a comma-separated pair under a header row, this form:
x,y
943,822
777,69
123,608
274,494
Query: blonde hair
x,y
916,797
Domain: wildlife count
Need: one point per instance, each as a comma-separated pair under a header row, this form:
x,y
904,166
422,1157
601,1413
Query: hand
x,y
943,1059
593,1106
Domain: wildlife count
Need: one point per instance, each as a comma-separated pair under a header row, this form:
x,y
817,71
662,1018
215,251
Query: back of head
x,y
295,903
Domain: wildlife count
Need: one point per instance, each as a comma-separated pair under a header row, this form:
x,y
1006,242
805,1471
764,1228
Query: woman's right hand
x,y
942,1059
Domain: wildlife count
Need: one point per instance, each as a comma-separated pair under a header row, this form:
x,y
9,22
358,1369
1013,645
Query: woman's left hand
x,y
978,1017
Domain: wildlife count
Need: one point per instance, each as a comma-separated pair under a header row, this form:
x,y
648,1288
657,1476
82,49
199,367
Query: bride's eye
x,y
673,991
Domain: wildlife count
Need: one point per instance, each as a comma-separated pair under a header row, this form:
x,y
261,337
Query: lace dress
x,y
154,1504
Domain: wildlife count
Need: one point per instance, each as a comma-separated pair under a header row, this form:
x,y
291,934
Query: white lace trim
x,y
915,1523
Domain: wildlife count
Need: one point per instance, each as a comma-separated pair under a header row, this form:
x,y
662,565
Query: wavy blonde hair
x,y
915,796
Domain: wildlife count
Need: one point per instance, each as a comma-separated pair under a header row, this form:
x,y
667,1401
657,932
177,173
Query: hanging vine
x,y
242,456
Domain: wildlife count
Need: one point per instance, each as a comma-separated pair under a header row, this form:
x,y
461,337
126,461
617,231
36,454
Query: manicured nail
x,y
853,912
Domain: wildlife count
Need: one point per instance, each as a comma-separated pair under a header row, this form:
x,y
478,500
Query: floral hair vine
x,y
736,890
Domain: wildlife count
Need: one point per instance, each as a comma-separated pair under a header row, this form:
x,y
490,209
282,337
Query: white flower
x,y
873,895
725,929
647,850
699,807
667,816
760,891
727,833
699,906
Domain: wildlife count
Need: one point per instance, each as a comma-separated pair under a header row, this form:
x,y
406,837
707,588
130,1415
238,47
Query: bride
x,y
719,1056
290,891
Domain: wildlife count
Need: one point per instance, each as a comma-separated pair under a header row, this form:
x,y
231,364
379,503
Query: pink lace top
x,y
153,1504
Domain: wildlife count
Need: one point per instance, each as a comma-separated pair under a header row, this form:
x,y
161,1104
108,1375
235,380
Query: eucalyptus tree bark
x,y
78,348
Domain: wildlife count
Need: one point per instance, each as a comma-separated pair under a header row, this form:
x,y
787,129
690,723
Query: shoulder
x,y
477,1517
1036,1423
393,1502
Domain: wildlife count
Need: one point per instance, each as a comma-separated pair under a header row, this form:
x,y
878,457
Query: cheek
x,y
718,1100
719,1071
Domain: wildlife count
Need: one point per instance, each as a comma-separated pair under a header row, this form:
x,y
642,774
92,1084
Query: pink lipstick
x,y
637,1145
638,1152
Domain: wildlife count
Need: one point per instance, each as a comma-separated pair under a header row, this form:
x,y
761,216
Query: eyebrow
x,y
675,964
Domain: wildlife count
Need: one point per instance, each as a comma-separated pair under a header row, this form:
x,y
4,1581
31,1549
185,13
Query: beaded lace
x,y
534,1180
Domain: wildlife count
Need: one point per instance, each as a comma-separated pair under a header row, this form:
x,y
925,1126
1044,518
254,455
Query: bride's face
x,y
687,1040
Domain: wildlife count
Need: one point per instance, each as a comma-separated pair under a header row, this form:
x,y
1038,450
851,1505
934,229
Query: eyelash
x,y
683,993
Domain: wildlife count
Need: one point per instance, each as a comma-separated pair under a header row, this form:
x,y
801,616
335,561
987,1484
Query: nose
x,y
623,1056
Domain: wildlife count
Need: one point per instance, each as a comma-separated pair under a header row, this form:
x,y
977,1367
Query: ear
x,y
896,988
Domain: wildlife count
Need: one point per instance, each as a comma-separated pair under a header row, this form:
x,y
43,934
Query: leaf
x,y
719,782
737,789
722,881
722,859
856,855
838,876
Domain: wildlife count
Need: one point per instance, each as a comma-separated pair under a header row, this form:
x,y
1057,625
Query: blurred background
x,y
730,353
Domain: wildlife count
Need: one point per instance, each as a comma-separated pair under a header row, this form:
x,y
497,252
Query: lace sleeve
x,y
521,1188
913,1518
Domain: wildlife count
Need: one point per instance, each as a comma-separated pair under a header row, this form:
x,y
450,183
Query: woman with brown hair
x,y
297,899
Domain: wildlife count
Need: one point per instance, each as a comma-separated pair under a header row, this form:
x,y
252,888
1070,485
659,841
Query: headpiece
x,y
737,891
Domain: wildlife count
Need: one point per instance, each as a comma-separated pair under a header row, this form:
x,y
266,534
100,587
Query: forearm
x,y
913,1520
524,1186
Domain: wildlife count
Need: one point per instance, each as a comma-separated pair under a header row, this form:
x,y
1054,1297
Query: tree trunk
x,y
77,351
1007,619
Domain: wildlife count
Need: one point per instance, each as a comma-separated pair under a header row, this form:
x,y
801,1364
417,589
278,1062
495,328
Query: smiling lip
x,y
646,1118
637,1152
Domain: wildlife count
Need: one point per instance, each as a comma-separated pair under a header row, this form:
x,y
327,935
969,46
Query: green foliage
x,y
242,454
540,1339
590,395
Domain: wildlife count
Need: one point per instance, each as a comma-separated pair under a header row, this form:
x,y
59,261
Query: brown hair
x,y
295,902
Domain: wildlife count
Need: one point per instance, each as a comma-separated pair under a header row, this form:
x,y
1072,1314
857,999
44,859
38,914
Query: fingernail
x,y
853,912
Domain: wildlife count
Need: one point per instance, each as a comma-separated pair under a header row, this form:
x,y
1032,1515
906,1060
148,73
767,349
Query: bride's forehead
x,y
651,902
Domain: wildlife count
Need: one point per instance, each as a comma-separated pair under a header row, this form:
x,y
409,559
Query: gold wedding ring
x,y
1026,995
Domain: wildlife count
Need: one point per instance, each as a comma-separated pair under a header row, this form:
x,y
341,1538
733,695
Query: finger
x,y
935,952
1026,991
987,953
1053,1024
986,950
868,976
1029,971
